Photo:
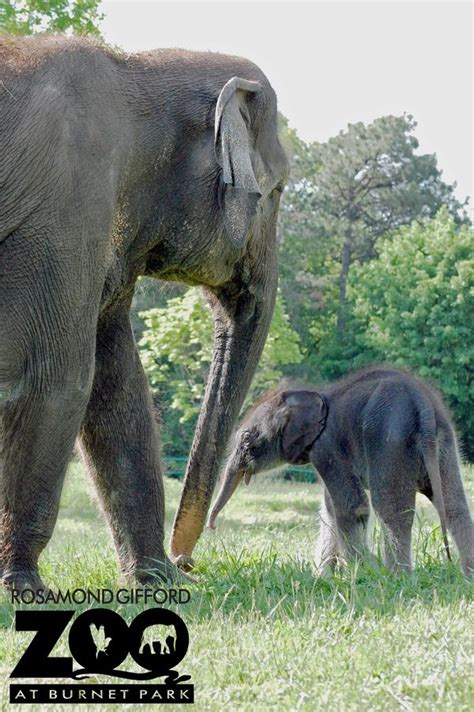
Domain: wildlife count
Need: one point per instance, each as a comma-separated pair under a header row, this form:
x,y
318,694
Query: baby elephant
x,y
380,430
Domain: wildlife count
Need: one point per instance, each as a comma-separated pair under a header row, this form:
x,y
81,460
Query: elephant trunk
x,y
232,478
242,318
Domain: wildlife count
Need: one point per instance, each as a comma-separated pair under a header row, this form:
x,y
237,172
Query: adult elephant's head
x,y
251,170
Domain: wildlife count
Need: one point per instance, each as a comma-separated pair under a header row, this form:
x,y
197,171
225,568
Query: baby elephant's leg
x,y
393,493
347,514
327,546
458,516
352,522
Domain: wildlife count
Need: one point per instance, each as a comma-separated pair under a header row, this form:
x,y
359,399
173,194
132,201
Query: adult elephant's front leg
x,y
120,446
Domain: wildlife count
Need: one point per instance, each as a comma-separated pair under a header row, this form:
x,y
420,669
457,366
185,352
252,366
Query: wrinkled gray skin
x,y
380,430
164,164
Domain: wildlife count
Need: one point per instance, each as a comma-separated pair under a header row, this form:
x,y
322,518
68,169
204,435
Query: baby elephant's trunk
x,y
233,475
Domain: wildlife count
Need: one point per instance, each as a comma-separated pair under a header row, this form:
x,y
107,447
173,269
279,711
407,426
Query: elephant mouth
x,y
245,474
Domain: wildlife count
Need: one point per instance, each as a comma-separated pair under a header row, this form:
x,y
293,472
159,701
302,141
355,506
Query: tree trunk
x,y
343,276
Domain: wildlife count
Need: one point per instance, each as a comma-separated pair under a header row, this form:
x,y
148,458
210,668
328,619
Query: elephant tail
x,y
430,452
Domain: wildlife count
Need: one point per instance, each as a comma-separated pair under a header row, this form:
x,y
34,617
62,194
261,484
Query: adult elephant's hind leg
x,y
120,446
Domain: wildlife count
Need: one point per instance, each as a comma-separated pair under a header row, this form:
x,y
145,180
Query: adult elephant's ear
x,y
307,412
240,191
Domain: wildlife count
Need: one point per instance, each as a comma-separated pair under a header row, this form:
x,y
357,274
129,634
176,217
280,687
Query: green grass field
x,y
264,633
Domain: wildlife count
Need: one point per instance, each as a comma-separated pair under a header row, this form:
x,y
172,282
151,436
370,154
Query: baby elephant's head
x,y
281,428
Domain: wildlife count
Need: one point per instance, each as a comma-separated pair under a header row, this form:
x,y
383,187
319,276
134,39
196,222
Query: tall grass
x,y
265,632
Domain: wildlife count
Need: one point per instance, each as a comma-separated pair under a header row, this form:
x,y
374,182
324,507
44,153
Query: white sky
x,y
332,63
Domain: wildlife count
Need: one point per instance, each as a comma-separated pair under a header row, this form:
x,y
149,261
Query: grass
x,y
264,632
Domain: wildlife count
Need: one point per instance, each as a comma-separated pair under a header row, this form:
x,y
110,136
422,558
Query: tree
x,y
345,194
371,182
304,249
176,351
26,17
415,304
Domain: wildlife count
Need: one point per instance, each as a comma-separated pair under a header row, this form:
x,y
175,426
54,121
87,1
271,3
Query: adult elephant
x,y
165,164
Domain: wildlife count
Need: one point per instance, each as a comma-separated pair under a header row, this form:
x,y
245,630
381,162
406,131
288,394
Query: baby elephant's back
x,y
399,415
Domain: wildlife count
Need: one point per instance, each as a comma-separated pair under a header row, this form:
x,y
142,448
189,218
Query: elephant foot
x,y
325,565
24,580
399,569
325,571
184,562
159,573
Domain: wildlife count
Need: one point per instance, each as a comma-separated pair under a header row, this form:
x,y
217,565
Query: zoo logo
x,y
100,640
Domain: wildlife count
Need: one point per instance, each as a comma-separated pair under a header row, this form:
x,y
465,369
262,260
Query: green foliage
x,y
176,351
305,248
344,195
149,294
371,181
26,17
414,305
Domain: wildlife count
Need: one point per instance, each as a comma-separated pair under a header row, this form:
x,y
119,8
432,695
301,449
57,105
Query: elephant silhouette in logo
x,y
160,639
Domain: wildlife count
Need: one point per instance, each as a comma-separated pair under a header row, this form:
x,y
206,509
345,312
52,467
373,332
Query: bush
x,y
415,304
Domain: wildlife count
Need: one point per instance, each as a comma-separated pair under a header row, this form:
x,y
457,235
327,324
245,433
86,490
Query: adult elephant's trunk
x,y
242,316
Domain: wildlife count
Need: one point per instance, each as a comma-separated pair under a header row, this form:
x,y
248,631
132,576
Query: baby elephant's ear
x,y
306,420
